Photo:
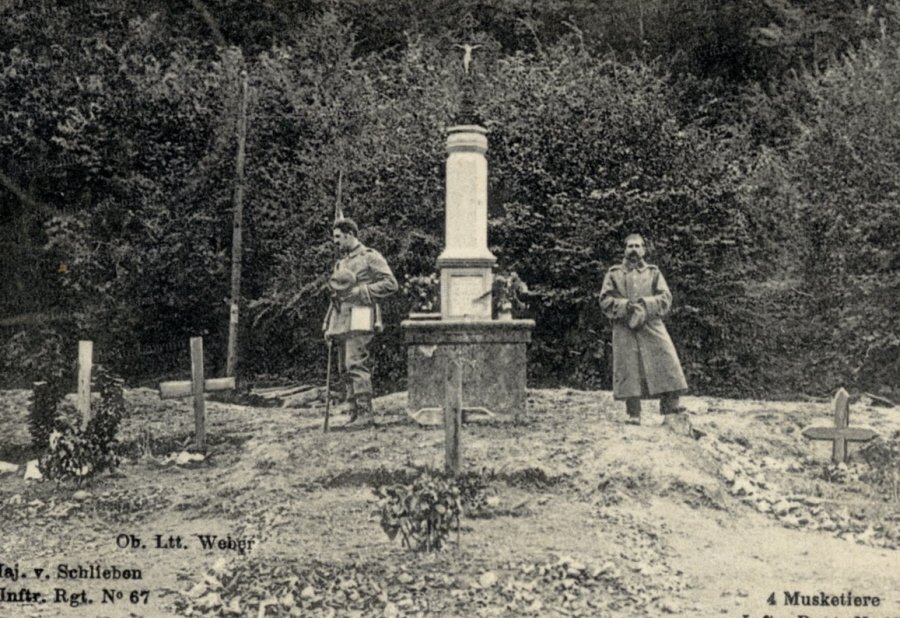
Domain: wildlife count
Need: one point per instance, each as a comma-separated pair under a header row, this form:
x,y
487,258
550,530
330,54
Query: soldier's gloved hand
x,y
351,294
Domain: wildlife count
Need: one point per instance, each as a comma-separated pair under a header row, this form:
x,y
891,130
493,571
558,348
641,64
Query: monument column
x,y
466,263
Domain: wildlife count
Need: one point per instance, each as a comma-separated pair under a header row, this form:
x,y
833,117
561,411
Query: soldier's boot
x,y
669,406
362,414
633,410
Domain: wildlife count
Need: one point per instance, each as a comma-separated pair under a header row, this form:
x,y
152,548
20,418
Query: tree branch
x,y
26,199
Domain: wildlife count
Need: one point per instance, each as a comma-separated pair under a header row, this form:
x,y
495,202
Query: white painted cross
x,y
841,433
195,387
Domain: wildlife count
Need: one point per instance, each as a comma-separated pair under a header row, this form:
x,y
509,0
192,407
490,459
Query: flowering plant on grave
x,y
508,289
423,292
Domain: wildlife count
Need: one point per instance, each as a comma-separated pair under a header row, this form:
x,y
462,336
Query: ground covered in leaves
x,y
584,515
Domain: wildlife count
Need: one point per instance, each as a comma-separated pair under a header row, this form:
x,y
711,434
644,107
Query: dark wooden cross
x,y
195,387
841,433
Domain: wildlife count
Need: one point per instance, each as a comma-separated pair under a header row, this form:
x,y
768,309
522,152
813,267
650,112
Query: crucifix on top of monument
x,y
492,351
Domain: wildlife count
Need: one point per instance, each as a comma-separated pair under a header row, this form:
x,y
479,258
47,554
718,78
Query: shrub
x,y
77,454
42,415
424,512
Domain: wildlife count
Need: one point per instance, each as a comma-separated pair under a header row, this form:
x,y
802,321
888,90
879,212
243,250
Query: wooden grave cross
x,y
841,433
84,384
195,387
85,369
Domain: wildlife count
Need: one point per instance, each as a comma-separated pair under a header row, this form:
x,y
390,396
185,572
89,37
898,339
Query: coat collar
x,y
640,266
359,248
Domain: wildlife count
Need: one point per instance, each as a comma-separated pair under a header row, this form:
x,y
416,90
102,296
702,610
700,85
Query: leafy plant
x,y
42,415
422,292
508,290
41,355
77,454
423,512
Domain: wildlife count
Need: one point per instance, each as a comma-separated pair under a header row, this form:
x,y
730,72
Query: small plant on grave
x,y
57,372
44,410
423,292
473,490
423,512
77,454
507,292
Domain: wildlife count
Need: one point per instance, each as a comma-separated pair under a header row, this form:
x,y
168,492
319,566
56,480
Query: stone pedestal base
x,y
494,367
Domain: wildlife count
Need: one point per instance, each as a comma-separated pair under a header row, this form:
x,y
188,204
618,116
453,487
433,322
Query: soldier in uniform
x,y
635,298
360,279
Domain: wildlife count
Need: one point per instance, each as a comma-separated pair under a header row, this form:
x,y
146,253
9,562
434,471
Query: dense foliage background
x,y
755,143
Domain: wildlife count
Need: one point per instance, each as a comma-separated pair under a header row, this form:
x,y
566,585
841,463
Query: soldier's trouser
x,y
668,404
356,364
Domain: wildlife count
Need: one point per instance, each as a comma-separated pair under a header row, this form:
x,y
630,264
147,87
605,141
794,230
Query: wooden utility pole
x,y
236,234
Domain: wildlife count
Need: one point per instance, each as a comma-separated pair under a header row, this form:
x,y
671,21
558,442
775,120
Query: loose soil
x,y
586,515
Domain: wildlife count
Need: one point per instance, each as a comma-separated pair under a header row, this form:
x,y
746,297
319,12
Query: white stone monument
x,y
494,374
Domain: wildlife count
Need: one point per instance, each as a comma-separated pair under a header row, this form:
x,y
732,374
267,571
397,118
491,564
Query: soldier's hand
x,y
351,294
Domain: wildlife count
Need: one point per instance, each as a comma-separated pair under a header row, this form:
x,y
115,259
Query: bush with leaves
x,y
78,454
423,512
844,171
40,357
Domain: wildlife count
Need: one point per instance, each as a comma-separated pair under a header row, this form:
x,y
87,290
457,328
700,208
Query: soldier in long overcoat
x,y
361,278
635,298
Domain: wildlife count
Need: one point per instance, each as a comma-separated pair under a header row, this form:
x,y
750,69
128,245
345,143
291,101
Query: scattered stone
x,y
794,466
728,473
8,468
391,611
791,521
772,463
81,495
670,607
743,487
487,579
220,566
210,601
763,506
184,458
212,583
782,507
308,592
32,472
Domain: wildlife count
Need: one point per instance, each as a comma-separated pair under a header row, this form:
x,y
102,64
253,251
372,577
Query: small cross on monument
x,y
195,388
841,433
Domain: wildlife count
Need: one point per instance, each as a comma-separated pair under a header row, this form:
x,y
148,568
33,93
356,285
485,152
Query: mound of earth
x,y
585,515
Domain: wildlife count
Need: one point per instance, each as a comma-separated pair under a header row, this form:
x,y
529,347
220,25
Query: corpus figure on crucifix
x,y
467,54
